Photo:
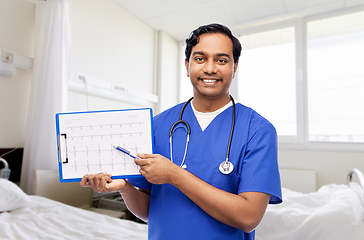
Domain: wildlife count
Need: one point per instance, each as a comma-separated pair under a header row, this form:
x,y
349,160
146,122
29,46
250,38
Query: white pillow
x,y
12,197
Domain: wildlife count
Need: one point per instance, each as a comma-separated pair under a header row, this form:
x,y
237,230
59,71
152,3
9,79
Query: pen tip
x,y
113,146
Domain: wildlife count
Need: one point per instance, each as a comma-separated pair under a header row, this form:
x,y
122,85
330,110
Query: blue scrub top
x,y
253,153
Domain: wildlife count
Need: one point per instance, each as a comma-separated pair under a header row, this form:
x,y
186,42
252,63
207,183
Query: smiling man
x,y
216,181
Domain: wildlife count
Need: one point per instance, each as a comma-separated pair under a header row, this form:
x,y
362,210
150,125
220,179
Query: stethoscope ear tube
x,y
183,122
232,130
183,108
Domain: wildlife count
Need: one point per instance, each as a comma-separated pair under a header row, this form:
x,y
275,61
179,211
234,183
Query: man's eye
x,y
222,61
199,59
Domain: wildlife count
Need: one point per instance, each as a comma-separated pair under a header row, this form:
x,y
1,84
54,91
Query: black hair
x,y
194,38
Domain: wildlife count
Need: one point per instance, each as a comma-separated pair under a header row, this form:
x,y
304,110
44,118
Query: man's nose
x,y
210,67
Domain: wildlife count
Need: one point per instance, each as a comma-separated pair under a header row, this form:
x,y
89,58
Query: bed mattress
x,y
48,219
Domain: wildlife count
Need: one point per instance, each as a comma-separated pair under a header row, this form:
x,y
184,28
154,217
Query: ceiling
x,y
179,17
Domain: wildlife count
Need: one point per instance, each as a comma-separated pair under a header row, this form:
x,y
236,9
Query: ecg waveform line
x,y
99,150
105,135
97,154
101,166
102,125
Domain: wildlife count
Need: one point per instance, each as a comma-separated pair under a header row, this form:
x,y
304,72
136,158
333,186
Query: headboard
x,y
303,181
47,184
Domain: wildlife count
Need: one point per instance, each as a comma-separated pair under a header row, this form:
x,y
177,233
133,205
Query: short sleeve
x,y
260,172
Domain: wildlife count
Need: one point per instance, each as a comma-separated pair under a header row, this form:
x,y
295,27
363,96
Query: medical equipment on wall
x,y
226,167
5,172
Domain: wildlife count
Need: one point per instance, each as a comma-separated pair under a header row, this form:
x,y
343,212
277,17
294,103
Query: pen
x,y
125,151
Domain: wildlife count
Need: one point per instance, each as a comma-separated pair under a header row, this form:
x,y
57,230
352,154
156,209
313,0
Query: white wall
x,y
167,71
16,35
108,43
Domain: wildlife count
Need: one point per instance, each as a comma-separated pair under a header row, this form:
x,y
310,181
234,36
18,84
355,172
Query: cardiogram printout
x,y
86,142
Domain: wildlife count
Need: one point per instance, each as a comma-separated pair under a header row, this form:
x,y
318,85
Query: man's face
x,y
211,66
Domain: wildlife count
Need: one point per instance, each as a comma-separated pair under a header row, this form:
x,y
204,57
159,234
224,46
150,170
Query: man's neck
x,y
210,105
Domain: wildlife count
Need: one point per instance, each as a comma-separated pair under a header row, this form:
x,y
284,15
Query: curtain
x,y
48,94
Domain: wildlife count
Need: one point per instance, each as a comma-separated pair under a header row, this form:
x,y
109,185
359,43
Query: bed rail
x,y
358,174
360,177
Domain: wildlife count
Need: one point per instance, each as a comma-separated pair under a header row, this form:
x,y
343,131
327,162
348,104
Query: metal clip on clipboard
x,y
62,148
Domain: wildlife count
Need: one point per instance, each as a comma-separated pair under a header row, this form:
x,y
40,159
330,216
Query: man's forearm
x,y
137,201
243,211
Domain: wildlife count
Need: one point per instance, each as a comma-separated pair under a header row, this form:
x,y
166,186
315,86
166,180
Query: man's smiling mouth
x,y
209,80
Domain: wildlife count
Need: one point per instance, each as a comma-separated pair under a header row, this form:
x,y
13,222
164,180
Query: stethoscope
x,y
225,167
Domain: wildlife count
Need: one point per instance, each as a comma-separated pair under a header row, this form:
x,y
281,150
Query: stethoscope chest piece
x,y
226,167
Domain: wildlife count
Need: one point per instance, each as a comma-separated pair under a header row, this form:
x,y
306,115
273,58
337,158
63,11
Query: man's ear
x,y
187,67
235,67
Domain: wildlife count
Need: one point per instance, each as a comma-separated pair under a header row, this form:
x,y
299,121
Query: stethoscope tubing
x,y
232,129
188,131
180,119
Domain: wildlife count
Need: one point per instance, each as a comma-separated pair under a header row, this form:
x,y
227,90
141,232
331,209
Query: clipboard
x,y
86,140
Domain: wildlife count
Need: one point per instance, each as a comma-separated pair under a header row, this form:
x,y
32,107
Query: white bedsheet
x,y
48,219
334,212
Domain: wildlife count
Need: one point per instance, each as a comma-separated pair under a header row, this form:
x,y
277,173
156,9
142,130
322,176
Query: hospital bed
x,y
60,211
333,212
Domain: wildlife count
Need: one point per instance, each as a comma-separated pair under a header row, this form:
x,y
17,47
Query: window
x,y
335,79
267,77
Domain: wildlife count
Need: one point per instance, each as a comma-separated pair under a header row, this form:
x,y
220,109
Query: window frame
x,y
299,80
332,146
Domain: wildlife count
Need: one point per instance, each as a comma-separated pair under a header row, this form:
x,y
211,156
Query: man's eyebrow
x,y
223,55
198,53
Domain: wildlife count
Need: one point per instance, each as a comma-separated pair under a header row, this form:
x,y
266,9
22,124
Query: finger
x,y
100,181
146,155
140,162
90,179
96,181
87,184
101,184
105,180
84,181
142,172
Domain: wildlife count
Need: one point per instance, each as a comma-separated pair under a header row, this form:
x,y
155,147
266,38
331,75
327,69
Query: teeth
x,y
209,81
